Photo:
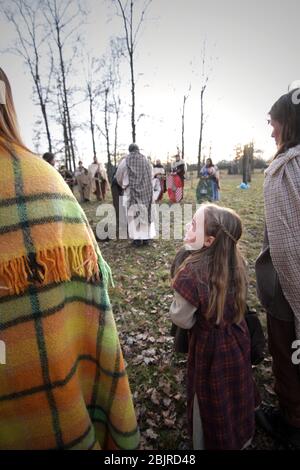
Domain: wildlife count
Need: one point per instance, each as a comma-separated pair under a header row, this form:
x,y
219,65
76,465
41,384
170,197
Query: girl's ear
x,y
209,240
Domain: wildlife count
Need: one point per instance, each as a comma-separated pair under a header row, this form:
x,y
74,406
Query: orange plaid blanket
x,y
64,384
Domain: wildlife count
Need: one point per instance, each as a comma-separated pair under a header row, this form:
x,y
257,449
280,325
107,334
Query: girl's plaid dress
x,y
219,367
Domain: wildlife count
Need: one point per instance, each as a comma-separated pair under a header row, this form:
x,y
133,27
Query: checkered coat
x,y
282,212
219,368
140,185
64,384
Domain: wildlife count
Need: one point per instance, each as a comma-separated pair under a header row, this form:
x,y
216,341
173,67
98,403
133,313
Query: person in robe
x,y
98,179
82,179
134,175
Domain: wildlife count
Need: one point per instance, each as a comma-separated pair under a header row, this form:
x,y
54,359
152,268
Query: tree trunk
x,y
109,168
133,127
92,125
45,117
132,76
201,133
245,164
65,99
116,138
130,36
182,126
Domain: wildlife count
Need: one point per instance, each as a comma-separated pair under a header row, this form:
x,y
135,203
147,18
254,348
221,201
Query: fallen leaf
x,y
269,389
151,434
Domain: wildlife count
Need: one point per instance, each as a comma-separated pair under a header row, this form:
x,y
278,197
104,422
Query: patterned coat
x,y
282,211
64,383
219,368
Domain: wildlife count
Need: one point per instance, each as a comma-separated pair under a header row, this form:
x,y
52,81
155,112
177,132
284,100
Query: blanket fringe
x,y
53,265
105,272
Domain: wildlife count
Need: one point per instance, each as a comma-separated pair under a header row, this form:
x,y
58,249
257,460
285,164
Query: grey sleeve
x,y
182,312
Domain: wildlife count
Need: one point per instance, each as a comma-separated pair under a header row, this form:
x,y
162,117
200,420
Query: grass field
x,y
141,299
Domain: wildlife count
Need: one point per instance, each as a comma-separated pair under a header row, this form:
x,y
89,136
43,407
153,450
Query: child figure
x,y
210,298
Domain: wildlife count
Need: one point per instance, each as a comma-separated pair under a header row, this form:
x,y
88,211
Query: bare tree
x,y
25,18
64,19
62,120
205,78
185,97
117,51
92,118
131,36
93,89
107,125
110,91
107,88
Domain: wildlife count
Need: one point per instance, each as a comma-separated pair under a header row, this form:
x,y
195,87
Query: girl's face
x,y
277,131
194,237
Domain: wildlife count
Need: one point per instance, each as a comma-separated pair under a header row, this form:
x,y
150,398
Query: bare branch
x,y
147,4
125,21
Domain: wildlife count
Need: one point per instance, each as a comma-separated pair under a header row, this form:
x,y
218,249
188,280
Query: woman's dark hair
x,y
49,157
286,111
210,162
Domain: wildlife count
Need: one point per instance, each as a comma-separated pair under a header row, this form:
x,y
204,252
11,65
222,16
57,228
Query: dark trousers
x,y
281,335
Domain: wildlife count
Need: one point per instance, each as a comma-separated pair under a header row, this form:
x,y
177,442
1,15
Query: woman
x,y
278,268
208,188
98,179
82,179
64,385
211,171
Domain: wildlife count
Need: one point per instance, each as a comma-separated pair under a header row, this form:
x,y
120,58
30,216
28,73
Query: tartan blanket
x,y
140,184
64,384
282,212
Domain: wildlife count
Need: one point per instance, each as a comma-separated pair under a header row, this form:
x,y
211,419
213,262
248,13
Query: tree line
x,y
49,39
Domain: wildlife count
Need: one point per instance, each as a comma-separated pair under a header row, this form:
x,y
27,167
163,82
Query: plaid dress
x,y
219,369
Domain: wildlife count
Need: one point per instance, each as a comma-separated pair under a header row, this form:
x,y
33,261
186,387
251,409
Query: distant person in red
x,y
179,168
175,181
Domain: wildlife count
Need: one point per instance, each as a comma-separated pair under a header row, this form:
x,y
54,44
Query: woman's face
x,y
277,131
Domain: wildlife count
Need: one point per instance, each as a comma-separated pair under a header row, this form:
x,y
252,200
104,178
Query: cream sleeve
x,y
182,312
121,174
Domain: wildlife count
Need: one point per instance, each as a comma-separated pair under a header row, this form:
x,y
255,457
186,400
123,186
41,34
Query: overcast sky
x,y
252,55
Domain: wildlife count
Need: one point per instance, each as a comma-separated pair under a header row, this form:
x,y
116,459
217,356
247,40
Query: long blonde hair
x,y
227,267
9,129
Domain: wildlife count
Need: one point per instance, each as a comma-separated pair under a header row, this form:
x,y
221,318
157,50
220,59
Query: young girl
x,y
210,298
